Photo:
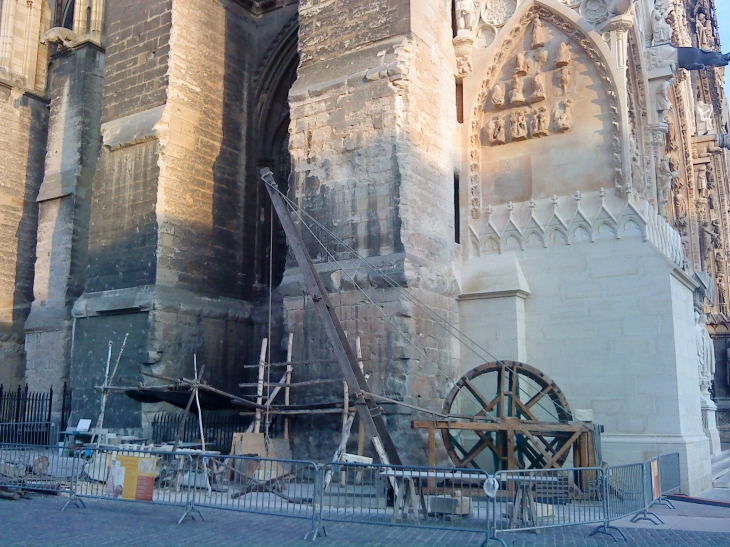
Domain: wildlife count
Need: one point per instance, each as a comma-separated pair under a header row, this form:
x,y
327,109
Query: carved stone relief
x,y
703,118
563,115
537,76
496,12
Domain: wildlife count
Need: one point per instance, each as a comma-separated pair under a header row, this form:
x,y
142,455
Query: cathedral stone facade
x,y
547,175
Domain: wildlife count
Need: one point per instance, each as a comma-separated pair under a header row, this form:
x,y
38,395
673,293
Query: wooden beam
x,y
367,409
503,425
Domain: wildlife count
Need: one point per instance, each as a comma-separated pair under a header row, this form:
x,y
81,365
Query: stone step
x,y
722,481
721,464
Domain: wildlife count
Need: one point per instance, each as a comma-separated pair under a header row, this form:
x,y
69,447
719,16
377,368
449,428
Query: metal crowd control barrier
x,y
669,477
423,497
548,498
437,498
37,468
158,477
286,488
623,495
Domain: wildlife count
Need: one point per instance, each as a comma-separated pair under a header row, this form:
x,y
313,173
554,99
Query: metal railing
x,y
423,497
287,488
39,468
35,433
158,477
548,498
670,477
451,499
219,428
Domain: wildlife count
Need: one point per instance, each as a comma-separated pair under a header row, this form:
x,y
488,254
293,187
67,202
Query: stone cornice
x,y
4,82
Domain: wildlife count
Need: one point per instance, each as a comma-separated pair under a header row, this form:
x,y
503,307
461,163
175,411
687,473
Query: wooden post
x,y
432,455
361,431
105,390
260,388
289,368
366,406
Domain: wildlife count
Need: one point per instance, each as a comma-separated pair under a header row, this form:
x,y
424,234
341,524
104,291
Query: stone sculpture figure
x,y
538,88
664,178
721,294
701,185
705,37
663,104
693,58
703,118
521,66
564,78
498,95
495,131
719,263
564,56
637,172
517,95
661,30
705,352
709,241
540,60
538,33
67,38
680,208
518,125
464,66
464,14
564,117
540,122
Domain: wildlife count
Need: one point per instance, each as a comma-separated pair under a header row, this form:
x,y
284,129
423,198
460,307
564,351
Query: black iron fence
x,y
21,405
26,416
218,428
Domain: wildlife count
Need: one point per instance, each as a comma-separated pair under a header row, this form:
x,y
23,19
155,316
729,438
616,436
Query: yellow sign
x,y
131,477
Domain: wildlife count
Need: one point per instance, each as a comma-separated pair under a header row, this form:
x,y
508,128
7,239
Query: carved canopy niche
x,y
546,118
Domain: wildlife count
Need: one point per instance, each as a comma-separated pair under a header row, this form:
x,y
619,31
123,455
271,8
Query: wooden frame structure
x,y
507,425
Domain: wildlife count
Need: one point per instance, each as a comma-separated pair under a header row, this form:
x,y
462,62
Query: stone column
x,y
23,119
166,240
64,207
371,146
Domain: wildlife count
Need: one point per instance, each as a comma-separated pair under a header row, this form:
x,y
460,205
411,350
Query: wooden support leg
x,y
260,388
289,368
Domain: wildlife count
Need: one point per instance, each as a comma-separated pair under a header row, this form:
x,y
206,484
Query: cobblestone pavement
x,y
39,522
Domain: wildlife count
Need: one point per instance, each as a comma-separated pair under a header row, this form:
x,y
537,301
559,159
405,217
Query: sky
x,y
723,22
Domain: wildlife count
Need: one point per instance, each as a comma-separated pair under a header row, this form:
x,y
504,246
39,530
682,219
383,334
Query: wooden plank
x,y
503,425
564,449
535,398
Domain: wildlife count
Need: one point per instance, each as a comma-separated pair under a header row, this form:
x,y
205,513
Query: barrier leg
x,y
606,528
492,525
75,500
663,500
189,510
645,514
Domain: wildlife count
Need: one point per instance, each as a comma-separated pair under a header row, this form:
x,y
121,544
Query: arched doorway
x,y
275,77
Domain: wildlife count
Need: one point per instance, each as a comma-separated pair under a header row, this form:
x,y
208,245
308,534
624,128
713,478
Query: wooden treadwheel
x,y
519,419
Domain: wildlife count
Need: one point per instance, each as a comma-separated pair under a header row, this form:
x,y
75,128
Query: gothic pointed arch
x,y
546,116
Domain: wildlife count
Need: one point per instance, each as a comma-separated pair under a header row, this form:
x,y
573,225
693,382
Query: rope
x,y
451,328
387,318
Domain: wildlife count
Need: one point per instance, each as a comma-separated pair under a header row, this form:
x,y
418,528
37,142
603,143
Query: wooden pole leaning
x,y
367,409
287,380
260,388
